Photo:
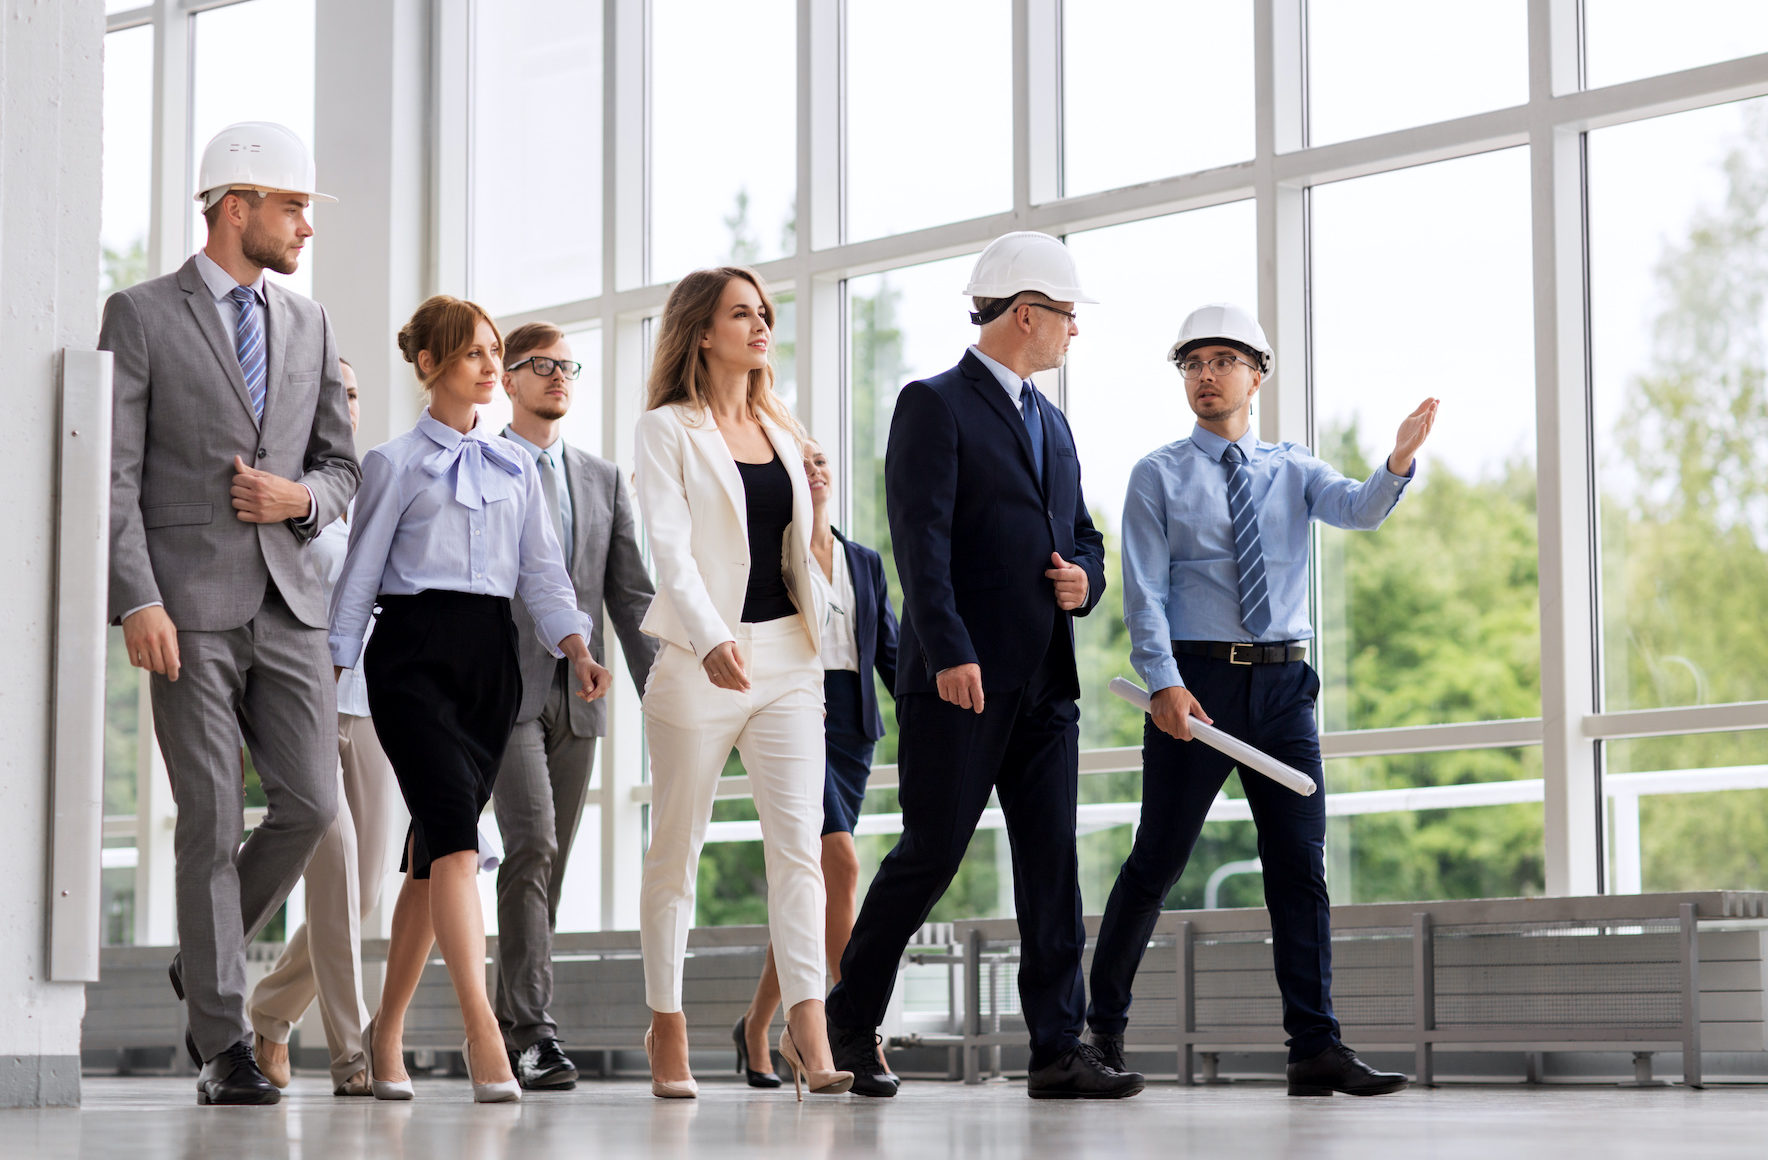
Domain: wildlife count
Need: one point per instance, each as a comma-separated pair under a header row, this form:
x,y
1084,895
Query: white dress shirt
x,y
840,646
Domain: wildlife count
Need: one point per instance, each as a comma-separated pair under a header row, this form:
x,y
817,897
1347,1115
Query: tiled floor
x,y
146,1119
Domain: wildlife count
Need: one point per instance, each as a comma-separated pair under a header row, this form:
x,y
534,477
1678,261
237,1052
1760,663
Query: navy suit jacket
x,y
973,528
874,630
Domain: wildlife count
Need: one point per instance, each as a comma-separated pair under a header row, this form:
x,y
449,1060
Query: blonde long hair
x,y
678,369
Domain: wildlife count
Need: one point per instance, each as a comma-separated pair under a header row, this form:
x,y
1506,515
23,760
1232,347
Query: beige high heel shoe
x,y
669,1089
822,1083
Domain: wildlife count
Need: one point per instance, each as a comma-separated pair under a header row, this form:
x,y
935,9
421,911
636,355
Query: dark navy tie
x,y
248,341
1255,602
1034,425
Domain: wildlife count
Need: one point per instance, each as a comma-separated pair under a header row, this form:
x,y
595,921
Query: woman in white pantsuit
x,y
727,512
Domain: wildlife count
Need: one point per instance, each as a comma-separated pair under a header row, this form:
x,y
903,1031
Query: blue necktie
x,y
1255,603
248,342
1034,425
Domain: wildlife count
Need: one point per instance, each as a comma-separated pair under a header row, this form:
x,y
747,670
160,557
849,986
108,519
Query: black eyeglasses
x,y
1068,314
544,367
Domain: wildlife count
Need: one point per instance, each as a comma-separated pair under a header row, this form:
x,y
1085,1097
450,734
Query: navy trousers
x,y
1272,707
1024,745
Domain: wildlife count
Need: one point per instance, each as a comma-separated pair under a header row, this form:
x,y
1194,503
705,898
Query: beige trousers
x,y
777,727
323,958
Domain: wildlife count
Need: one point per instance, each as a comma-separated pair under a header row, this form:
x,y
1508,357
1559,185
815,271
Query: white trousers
x,y
777,728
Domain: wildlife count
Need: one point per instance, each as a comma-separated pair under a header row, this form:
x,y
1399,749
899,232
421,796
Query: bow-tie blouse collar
x,y
467,455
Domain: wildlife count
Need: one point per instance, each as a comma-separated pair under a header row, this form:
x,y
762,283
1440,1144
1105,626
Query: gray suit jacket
x,y
180,414
605,568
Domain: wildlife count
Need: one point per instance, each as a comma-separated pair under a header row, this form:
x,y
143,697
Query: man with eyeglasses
x,y
1215,560
997,554
544,779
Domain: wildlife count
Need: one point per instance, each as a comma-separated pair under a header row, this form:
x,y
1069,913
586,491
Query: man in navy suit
x,y
997,553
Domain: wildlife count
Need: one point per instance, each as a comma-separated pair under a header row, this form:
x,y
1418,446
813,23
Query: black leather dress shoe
x,y
856,1050
175,972
755,1079
1082,1074
543,1066
1110,1048
233,1078
1337,1069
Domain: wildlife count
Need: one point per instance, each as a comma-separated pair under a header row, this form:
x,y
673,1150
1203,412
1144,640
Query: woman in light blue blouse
x,y
450,524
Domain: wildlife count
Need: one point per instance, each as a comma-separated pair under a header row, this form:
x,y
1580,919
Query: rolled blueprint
x,y
1244,755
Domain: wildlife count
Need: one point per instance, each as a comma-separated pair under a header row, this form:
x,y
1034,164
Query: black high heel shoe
x,y
757,1079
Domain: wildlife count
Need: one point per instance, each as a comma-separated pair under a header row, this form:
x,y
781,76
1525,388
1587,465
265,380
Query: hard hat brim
x,y
314,195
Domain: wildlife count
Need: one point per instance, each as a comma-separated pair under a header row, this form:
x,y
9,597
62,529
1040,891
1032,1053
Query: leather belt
x,y
1244,652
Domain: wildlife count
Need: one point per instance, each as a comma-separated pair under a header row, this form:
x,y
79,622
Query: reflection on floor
x,y
150,1119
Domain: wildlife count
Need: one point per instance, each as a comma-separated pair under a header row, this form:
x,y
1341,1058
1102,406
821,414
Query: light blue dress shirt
x,y
462,513
1181,580
221,285
567,514
1010,382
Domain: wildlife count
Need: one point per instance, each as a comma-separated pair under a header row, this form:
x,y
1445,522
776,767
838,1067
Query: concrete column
x,y
51,123
373,146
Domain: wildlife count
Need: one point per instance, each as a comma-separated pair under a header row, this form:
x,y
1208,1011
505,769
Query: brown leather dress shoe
x,y
356,1085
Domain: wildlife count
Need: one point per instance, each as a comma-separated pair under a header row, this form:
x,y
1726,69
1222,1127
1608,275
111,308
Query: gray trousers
x,y
270,683
539,794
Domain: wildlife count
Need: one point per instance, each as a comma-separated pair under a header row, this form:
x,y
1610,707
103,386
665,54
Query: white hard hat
x,y
256,155
1020,261
1228,324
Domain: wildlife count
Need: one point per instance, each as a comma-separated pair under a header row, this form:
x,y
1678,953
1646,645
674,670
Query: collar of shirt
x,y
1215,446
534,449
220,283
1011,382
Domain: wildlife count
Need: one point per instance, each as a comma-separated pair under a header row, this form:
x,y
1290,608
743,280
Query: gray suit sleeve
x,y
627,590
330,469
132,583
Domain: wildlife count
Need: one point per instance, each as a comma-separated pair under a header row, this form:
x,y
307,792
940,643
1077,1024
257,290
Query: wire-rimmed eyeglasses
x,y
1221,364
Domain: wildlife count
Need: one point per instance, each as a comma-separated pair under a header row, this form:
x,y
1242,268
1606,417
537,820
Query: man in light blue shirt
x,y
1215,559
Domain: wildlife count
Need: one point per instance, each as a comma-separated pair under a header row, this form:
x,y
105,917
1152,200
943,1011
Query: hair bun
x,y
409,344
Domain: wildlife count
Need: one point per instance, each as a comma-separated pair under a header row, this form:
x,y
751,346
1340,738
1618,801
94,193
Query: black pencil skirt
x,y
444,686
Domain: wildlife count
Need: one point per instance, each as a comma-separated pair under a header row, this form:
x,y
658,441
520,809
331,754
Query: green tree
x,y
1685,530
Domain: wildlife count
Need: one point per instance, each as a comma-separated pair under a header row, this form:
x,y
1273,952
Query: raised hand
x,y
1412,434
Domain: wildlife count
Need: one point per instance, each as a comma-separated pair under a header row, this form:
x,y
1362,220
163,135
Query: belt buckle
x,y
1234,651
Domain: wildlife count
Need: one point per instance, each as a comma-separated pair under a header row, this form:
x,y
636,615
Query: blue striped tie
x,y
248,341
1255,603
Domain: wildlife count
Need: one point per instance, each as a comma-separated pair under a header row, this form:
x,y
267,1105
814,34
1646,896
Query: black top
x,y
767,491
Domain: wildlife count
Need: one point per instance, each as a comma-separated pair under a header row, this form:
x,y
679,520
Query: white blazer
x,y
697,523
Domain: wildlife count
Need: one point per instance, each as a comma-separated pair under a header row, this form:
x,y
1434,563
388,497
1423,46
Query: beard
x,y
259,247
549,410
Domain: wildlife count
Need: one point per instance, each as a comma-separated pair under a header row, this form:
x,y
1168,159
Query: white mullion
x,y
1568,571
451,161
625,216
168,240
1729,718
821,335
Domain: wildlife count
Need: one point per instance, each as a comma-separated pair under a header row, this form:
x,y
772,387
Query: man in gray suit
x,y
231,449
544,778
